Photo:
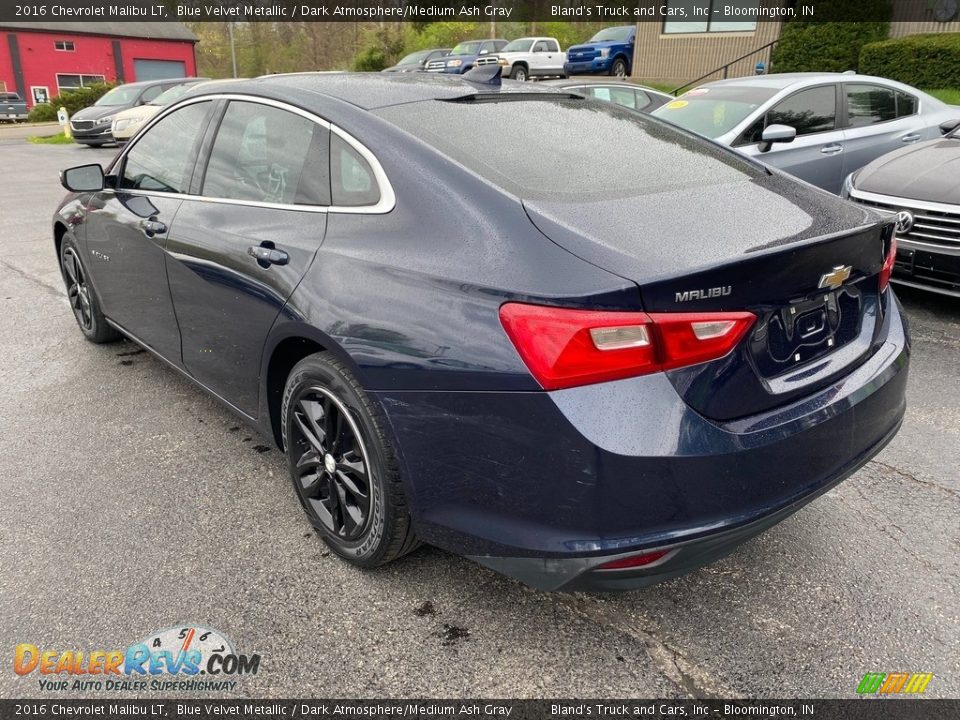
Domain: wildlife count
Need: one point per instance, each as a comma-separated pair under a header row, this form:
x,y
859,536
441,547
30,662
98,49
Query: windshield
x,y
122,95
618,34
414,58
567,150
466,48
714,111
518,45
174,93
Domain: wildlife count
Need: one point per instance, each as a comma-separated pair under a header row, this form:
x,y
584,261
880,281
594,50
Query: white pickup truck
x,y
529,57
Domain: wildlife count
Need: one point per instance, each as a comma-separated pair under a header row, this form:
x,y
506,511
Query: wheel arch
x,y
59,230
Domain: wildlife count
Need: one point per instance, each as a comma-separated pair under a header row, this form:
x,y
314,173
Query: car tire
x,y
342,465
82,296
519,73
619,67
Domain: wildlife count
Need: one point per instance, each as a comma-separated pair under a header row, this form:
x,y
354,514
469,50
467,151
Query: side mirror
x,y
776,134
83,178
949,126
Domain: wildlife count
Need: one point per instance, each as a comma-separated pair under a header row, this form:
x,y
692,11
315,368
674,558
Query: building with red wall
x,y
38,60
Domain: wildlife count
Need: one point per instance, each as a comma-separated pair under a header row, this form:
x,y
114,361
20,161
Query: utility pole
x,y
233,49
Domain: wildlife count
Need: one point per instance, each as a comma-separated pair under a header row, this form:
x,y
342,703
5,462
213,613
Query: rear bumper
x,y
545,487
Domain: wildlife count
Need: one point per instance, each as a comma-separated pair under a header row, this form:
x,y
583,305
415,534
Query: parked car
x,y
92,125
417,61
628,95
455,341
819,127
12,107
609,52
528,57
464,55
918,186
126,123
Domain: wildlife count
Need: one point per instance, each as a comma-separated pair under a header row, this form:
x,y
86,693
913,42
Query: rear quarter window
x,y
570,150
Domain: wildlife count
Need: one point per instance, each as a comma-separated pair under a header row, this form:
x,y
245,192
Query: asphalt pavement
x,y
133,502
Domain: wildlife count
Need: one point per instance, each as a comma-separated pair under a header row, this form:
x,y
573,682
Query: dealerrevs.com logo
x,y
188,658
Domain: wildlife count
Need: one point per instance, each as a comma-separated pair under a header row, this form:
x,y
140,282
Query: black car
x,y
417,61
91,126
919,186
598,351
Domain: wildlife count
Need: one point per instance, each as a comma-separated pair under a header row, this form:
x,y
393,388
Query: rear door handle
x,y
910,138
267,255
152,227
832,149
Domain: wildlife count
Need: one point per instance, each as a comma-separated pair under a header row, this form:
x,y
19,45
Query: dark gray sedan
x,y
920,184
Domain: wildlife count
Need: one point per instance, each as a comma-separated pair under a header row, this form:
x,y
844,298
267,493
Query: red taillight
x,y
634,561
887,270
564,348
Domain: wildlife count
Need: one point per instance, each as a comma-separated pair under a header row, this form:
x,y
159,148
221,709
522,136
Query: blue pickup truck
x,y
609,52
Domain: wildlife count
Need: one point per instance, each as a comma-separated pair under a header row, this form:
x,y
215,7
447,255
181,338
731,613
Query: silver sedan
x,y
819,127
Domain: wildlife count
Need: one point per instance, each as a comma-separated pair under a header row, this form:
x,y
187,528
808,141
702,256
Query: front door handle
x,y
152,227
910,138
832,149
266,256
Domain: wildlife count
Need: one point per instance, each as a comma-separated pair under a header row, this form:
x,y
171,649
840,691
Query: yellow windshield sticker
x,y
677,104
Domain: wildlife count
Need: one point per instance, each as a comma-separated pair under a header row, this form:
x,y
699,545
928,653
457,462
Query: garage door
x,y
159,69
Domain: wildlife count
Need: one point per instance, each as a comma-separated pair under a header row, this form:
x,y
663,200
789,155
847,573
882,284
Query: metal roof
x,y
144,30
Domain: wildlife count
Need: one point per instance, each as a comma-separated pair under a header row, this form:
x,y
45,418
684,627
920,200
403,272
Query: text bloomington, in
x,y
695,12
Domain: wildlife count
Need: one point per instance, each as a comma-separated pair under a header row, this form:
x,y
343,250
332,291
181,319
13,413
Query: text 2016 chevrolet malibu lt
x,y
592,351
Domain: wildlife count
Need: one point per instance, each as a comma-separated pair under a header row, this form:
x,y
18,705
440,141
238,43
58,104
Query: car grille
x,y
933,227
81,124
435,65
487,60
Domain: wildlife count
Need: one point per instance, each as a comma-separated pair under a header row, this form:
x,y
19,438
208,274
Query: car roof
x,y
368,90
780,81
590,80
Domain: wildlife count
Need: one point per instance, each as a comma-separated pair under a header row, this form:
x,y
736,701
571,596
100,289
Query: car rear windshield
x,y
570,150
714,111
9,97
414,57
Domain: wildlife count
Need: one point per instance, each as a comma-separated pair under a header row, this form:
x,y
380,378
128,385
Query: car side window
x,y
151,92
553,46
906,104
870,104
540,46
809,111
643,100
353,181
266,154
162,159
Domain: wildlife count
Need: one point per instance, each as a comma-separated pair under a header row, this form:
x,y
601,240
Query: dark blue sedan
x,y
594,351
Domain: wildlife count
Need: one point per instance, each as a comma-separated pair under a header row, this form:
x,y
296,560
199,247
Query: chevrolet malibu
x,y
596,353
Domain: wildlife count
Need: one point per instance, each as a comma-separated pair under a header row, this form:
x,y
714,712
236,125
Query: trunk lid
x,y
804,262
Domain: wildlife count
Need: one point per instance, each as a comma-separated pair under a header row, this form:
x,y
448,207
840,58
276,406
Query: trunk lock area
x,y
802,331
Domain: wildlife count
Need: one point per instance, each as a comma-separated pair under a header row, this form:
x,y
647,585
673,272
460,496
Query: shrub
x,y
925,61
72,100
831,43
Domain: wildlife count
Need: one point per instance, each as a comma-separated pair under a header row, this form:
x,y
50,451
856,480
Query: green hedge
x,y
832,42
72,100
925,61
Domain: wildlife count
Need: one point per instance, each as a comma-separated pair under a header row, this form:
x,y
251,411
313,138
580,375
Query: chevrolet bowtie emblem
x,y
835,278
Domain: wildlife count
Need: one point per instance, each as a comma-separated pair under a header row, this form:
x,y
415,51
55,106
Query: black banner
x,y
612,11
150,709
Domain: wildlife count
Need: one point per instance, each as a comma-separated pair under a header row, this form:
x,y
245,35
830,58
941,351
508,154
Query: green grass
x,y
951,97
662,87
59,139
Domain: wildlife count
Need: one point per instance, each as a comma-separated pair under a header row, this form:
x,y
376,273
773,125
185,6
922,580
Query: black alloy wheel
x,y
343,465
619,68
78,293
333,473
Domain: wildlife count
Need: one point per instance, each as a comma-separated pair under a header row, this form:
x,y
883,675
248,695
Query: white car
x,y
126,123
529,57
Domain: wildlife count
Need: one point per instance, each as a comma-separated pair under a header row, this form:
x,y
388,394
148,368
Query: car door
x,y
239,248
552,63
879,119
816,154
128,224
